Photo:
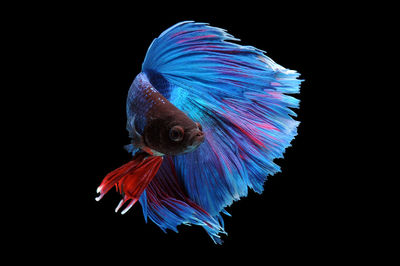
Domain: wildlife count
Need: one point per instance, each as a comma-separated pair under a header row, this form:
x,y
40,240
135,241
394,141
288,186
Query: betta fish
x,y
206,117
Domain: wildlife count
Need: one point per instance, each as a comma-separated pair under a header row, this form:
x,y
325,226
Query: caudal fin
x,y
131,179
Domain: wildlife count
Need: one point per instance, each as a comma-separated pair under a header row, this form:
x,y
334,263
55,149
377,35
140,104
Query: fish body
x,y
207,117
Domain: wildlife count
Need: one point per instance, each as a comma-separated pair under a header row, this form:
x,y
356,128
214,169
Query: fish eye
x,y
176,133
199,126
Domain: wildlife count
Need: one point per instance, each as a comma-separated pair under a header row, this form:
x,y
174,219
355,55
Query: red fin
x,y
147,149
131,179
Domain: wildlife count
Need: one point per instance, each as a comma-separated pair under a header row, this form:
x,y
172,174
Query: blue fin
x,y
240,96
167,205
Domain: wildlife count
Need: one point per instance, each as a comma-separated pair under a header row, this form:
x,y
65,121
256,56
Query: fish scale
x,y
142,98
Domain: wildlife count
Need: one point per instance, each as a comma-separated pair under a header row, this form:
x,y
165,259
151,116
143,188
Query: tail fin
x,y
131,179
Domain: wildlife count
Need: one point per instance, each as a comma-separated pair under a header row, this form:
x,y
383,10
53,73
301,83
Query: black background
x,y
92,54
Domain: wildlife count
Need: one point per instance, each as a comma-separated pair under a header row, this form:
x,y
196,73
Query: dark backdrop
x,y
93,53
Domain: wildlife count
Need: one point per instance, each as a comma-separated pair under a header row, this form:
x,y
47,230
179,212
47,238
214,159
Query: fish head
x,y
174,134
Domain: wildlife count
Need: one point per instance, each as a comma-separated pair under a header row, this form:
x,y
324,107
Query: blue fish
x,y
207,117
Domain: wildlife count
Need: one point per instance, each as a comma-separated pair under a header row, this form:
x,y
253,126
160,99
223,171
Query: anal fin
x,y
131,179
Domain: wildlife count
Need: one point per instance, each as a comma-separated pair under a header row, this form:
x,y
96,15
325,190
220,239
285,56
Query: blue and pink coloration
x,y
241,99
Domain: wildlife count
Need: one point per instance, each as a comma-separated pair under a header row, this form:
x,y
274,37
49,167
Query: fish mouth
x,y
195,140
198,139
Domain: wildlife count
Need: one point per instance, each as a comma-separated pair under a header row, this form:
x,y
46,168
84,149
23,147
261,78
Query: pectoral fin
x,y
137,139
